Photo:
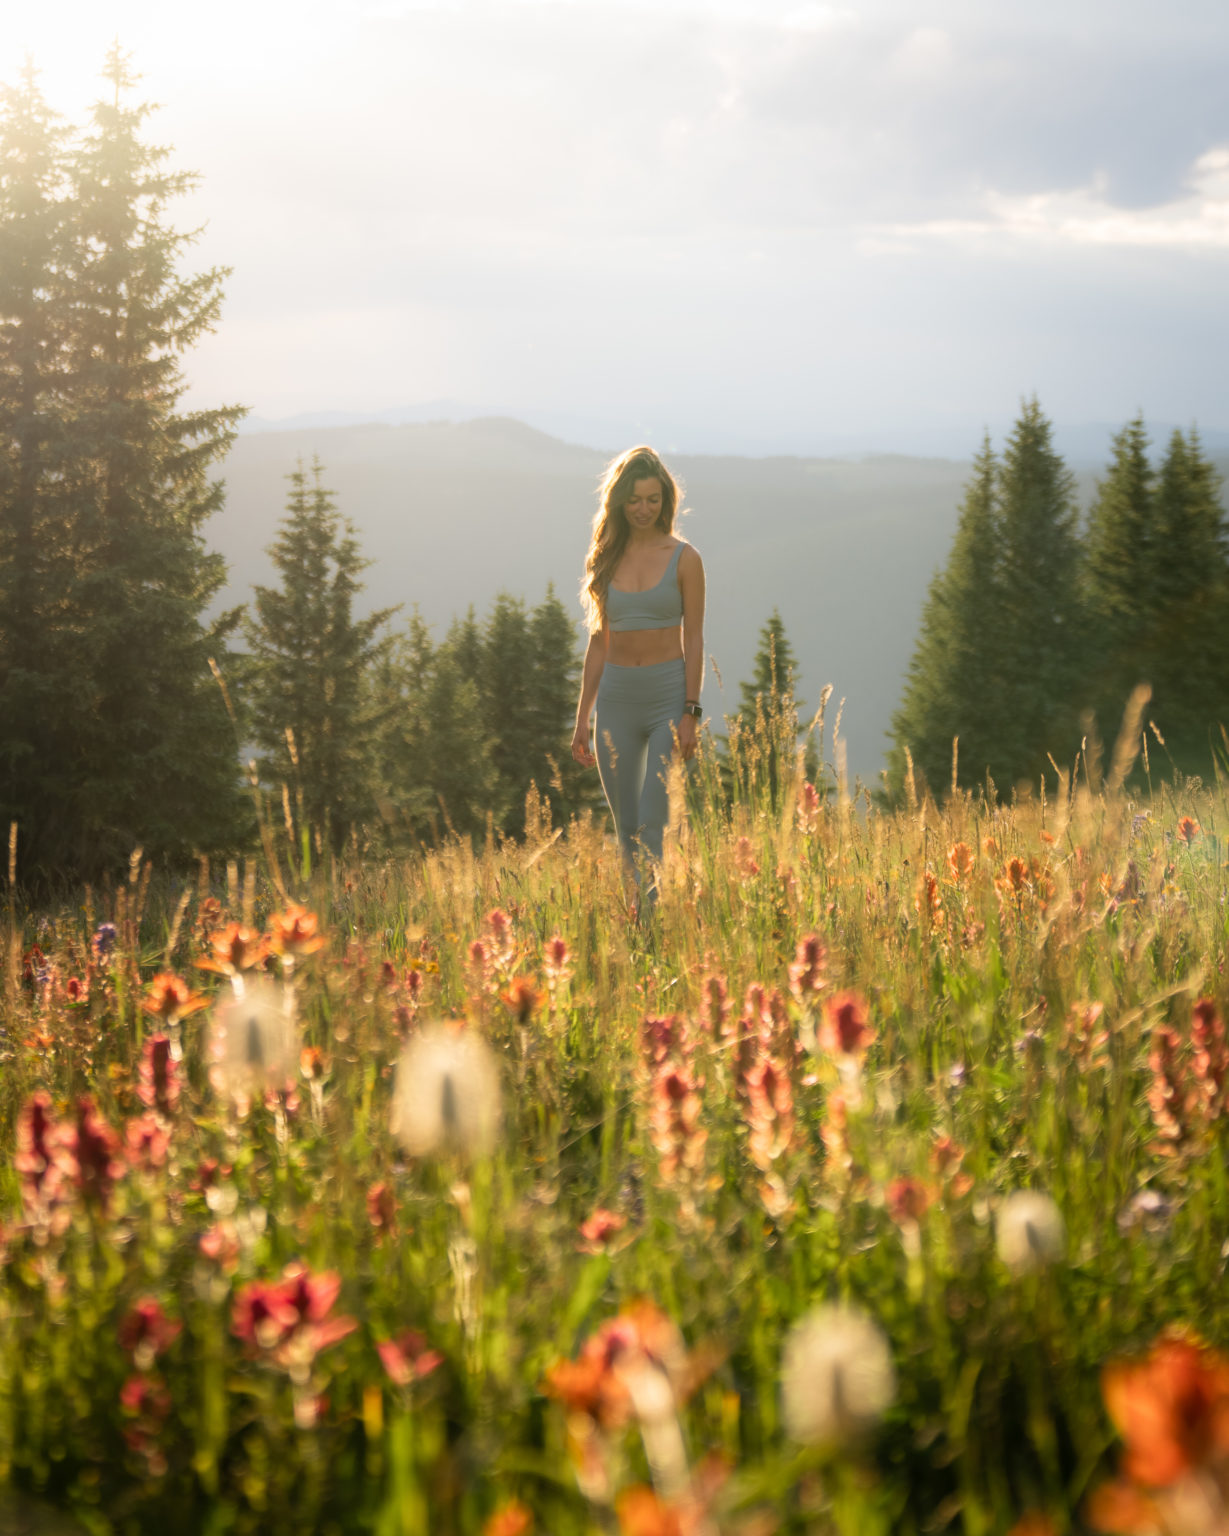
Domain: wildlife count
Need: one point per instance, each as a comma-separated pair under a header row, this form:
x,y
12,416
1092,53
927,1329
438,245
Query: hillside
x,y
451,514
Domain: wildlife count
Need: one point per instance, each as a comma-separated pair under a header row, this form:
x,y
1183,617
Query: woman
x,y
643,590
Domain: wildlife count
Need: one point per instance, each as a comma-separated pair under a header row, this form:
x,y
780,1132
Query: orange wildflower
x,y
295,932
170,998
511,1519
235,948
1188,829
642,1513
960,861
1171,1408
522,999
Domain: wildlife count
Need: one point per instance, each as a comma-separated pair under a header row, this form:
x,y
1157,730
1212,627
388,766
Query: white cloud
x,y
1197,220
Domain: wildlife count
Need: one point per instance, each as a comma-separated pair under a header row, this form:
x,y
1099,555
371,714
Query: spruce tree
x,y
315,711
556,682
1189,629
1120,555
1039,623
507,693
35,515
133,743
952,688
765,729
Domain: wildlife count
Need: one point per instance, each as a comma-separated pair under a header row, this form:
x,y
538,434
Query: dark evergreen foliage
x,y
951,690
315,712
132,745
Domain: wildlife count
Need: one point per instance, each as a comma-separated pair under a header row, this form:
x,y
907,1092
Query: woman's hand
x,y
686,732
581,750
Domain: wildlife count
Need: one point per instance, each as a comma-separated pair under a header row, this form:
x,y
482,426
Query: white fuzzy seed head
x,y
446,1096
1029,1232
255,1042
837,1376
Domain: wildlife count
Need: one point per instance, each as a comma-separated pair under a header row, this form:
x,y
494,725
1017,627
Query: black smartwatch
x,y
693,709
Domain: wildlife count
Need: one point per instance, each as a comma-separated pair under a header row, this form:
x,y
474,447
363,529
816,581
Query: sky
x,y
785,225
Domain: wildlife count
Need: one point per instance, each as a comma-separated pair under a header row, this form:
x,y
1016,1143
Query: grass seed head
x,y
447,1095
837,1376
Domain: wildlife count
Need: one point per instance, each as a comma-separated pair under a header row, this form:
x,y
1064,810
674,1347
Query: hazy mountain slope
x,y
451,514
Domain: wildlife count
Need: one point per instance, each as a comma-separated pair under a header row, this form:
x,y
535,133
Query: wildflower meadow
x,y
871,1181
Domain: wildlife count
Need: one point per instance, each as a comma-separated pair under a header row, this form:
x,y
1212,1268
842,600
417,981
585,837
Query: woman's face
x,y
643,507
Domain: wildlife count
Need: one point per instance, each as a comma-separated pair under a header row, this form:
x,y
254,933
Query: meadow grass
x,y
232,1299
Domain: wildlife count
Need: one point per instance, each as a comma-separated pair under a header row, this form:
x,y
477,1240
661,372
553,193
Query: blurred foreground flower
x,y
234,949
169,998
295,932
1172,1410
1030,1232
254,1042
446,1097
837,1376
846,1030
407,1358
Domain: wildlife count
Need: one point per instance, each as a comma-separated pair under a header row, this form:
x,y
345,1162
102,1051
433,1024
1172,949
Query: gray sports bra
x,y
660,607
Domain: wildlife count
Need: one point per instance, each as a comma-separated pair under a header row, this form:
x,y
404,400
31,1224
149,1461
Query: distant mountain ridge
x,y
1084,445
452,513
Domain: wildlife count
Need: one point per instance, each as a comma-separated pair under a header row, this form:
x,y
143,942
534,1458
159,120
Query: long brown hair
x,y
610,527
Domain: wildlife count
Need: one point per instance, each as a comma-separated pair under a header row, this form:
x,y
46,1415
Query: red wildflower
x,y
598,1229
674,1119
40,1158
806,972
846,1029
555,958
262,1314
145,1331
407,1358
1188,829
221,1244
808,808
769,1113
381,1206
146,1141
714,1005
94,1146
169,998
499,925
159,1085
907,1201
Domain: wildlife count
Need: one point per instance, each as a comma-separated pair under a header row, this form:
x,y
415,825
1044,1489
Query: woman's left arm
x,y
691,581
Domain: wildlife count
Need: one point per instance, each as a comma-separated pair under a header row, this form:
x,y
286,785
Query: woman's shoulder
x,y
687,552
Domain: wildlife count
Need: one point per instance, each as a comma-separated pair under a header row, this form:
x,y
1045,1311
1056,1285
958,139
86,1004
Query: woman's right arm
x,y
595,661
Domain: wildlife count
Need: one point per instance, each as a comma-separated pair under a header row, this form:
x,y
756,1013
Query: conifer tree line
x,y
1040,626
114,731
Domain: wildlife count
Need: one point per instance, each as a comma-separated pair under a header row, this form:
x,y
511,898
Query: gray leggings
x,y
638,709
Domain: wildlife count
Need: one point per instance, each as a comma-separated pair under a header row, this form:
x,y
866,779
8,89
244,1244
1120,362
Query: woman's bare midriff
x,y
645,647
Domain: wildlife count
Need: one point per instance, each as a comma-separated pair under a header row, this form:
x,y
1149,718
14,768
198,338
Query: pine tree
x,y
1039,625
556,682
135,745
315,712
1188,660
951,690
1120,557
35,515
507,692
764,730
